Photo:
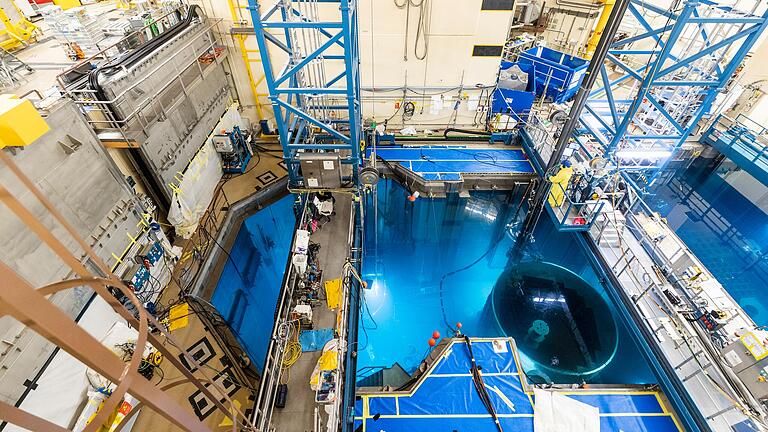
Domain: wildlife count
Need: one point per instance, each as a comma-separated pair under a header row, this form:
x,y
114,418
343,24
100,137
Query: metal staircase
x,y
382,376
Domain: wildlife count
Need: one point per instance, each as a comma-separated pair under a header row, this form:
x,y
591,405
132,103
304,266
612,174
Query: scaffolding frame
x,y
315,96
657,85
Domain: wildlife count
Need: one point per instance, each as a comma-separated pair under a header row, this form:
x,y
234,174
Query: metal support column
x,y
316,94
542,191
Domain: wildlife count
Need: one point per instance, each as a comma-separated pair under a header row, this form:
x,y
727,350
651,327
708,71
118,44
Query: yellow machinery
x,y
67,4
17,30
20,123
234,10
601,22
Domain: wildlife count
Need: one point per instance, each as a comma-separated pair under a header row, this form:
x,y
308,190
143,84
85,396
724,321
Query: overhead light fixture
x,y
649,154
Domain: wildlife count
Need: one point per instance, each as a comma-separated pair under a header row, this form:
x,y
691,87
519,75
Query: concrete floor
x,y
48,58
298,414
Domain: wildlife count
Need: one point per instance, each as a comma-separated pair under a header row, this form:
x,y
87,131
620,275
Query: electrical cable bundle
x,y
422,27
138,54
408,109
292,350
477,380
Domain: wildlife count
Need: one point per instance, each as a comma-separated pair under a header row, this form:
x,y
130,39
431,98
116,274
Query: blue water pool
x,y
250,282
411,247
727,232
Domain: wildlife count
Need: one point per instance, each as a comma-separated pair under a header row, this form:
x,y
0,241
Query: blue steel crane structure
x,y
656,85
315,96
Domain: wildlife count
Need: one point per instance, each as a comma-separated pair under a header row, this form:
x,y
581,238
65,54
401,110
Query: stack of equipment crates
x,y
515,103
553,73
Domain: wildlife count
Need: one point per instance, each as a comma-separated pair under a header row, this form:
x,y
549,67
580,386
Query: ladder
x,y
10,66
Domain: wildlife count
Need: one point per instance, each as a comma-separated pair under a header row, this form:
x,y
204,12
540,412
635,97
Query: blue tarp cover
x,y
445,399
314,340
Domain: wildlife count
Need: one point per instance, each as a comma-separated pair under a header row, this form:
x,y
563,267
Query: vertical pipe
x,y
600,27
579,102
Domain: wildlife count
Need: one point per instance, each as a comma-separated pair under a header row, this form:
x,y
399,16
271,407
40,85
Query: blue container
x,y
559,73
512,101
515,102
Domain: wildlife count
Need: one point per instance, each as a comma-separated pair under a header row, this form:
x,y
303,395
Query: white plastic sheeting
x,y
61,390
198,183
557,413
194,193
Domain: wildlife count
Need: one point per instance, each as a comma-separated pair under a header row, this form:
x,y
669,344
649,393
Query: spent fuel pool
x,y
433,263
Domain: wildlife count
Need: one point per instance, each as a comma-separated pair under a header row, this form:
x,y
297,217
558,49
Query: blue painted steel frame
x,y
740,145
613,121
292,118
618,126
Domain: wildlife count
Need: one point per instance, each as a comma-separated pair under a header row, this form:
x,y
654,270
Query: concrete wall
x,y
101,206
449,67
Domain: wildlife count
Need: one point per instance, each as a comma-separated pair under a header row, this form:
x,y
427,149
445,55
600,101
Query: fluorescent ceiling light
x,y
653,154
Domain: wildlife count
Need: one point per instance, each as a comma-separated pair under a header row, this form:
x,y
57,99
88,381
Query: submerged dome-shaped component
x,y
557,319
369,176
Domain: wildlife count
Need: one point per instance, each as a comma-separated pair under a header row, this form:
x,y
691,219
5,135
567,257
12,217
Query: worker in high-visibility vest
x,y
560,183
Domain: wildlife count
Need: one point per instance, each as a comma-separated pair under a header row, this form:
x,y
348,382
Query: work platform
x,y
743,141
444,397
650,270
439,169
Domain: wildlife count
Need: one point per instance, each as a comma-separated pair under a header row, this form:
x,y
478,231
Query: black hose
x,y
140,53
465,132
477,380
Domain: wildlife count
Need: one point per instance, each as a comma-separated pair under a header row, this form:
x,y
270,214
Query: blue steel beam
x,y
656,77
298,98
313,55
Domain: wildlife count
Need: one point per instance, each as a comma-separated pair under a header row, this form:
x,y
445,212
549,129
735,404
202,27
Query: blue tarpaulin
x,y
314,340
446,400
447,164
249,285
556,73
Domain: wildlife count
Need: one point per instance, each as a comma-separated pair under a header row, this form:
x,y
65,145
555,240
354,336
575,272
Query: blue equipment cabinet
x,y
512,101
516,103
556,73
234,150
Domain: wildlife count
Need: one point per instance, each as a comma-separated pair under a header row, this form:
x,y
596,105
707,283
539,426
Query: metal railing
x,y
743,132
273,367
104,114
570,215
542,136
645,283
273,364
367,371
